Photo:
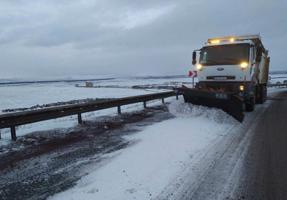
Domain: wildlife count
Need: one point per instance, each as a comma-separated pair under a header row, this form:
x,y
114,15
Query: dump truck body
x,y
235,66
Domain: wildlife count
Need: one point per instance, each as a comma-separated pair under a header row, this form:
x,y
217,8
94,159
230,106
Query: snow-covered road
x,y
180,158
145,156
160,153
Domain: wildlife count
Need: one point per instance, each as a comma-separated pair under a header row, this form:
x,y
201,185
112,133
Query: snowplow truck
x,y
232,74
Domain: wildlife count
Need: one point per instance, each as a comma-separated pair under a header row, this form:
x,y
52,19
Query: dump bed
x,y
264,69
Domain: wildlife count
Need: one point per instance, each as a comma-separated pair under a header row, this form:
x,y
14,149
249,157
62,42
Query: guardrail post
x,y
80,120
144,104
13,133
162,100
176,96
119,110
0,134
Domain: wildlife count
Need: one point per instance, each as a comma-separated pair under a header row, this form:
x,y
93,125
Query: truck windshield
x,y
231,54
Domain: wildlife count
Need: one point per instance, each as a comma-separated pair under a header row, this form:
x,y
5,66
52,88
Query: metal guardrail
x,y
12,120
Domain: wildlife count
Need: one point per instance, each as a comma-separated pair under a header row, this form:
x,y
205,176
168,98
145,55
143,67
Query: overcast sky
x,y
46,38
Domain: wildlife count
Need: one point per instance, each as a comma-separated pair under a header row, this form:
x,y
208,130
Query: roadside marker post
x,y
192,74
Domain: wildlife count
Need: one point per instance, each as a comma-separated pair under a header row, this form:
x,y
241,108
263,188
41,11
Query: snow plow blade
x,y
229,103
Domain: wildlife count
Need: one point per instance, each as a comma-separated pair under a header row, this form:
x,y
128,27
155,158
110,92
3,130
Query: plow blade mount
x,y
230,103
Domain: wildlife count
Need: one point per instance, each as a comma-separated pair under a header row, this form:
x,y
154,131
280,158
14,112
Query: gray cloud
x,y
75,37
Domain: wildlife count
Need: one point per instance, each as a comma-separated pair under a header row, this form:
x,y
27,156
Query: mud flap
x,y
229,103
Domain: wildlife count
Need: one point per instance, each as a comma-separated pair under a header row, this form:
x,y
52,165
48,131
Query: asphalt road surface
x,y
265,165
250,164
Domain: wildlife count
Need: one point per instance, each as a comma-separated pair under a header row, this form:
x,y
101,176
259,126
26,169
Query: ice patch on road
x,y
186,110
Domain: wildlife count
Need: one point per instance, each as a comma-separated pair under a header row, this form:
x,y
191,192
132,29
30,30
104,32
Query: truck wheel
x,y
261,93
264,93
250,105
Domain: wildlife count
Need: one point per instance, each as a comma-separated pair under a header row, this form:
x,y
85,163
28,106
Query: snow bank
x,y
144,169
184,110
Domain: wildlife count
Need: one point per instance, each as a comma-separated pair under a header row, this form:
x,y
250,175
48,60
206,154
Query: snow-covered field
x,y
278,78
28,95
129,82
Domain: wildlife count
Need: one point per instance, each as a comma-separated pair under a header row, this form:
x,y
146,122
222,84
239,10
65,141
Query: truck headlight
x,y
243,65
199,66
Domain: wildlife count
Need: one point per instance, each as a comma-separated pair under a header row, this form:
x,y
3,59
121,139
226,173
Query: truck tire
x,y
261,94
264,93
250,105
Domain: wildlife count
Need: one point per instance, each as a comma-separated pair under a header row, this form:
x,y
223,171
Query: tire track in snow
x,y
217,169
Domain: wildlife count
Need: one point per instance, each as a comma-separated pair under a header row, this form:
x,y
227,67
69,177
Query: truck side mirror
x,y
194,58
